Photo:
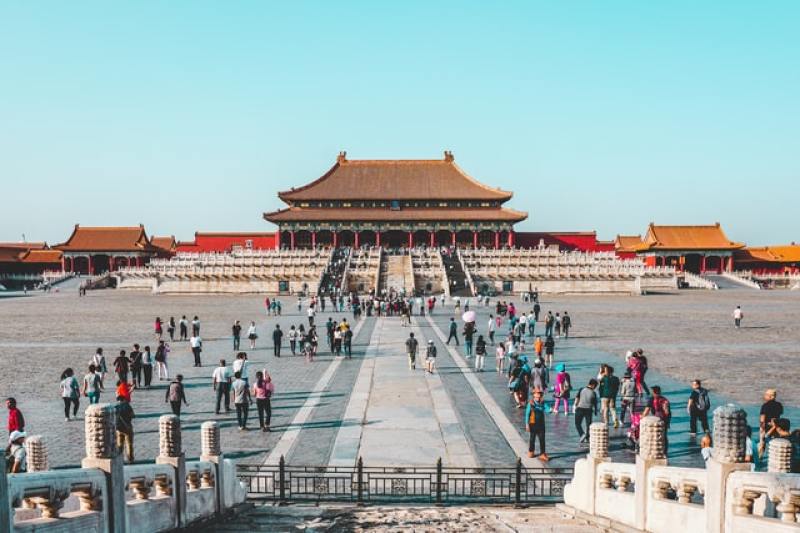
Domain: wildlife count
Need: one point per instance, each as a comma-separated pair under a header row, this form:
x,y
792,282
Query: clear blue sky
x,y
190,115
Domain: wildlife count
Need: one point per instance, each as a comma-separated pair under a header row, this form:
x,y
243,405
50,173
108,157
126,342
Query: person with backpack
x,y
135,358
562,389
99,362
480,353
453,331
430,357
70,393
161,360
534,424
121,366
176,395
549,350
540,378
585,407
659,406
92,385
412,345
124,427
698,407
609,388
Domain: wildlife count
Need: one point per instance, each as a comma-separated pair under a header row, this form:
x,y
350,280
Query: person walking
x,y
135,358
585,406
241,399
412,346
536,310
242,365
562,389
738,315
277,340
125,416
195,325
557,325
549,351
183,325
147,367
500,358
176,395
609,388
263,389
252,335
480,353
16,422
293,340
430,357
171,329
535,426
469,332
540,377
196,345
566,323
311,313
348,342
221,383
698,406
453,331
121,366
70,393
92,385
17,455
627,392
236,333
161,360
659,406
99,362
490,328
159,328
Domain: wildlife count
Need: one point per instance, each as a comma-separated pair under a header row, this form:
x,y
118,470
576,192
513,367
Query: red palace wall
x,y
225,242
583,241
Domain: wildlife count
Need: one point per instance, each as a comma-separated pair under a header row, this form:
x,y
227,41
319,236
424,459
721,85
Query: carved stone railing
x,y
105,495
651,496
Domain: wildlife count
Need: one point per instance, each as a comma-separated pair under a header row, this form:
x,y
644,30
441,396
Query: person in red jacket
x,y
16,422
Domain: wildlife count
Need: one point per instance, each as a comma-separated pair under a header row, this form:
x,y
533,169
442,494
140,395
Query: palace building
x,y
698,249
395,203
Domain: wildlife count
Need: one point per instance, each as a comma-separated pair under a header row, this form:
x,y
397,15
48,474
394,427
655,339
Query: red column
x,y
474,239
91,266
377,238
730,264
453,238
111,263
291,240
496,240
510,239
313,239
433,239
702,264
410,239
335,239
63,263
278,240
356,239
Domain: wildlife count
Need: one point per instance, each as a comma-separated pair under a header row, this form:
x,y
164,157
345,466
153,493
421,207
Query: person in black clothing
x,y
171,328
453,331
566,323
277,337
136,365
348,343
236,330
698,407
176,395
536,310
125,417
183,328
121,366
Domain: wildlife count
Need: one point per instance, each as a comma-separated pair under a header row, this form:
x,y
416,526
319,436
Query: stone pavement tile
x,y
316,441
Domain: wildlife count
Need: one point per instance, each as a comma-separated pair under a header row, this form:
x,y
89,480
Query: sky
x,y
189,115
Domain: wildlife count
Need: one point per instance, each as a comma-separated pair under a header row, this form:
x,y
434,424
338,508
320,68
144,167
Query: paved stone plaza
x,y
333,410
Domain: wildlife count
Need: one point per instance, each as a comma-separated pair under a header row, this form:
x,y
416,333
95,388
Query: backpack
x,y
566,385
703,403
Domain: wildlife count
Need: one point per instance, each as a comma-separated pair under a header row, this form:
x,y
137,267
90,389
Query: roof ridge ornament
x,y
342,157
448,156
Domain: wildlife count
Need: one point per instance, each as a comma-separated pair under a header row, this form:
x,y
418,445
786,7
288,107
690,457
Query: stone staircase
x,y
456,277
396,274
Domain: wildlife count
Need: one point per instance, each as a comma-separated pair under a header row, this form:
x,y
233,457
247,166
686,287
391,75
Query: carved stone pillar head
x,y
36,449
101,424
651,438
780,456
730,434
209,439
598,440
169,436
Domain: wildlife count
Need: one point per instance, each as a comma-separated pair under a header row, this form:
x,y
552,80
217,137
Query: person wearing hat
x,y
17,453
534,424
627,391
430,357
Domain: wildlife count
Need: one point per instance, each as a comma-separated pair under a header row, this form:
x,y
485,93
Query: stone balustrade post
x,y
780,456
102,453
170,452
598,440
730,435
36,450
210,451
6,515
651,453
